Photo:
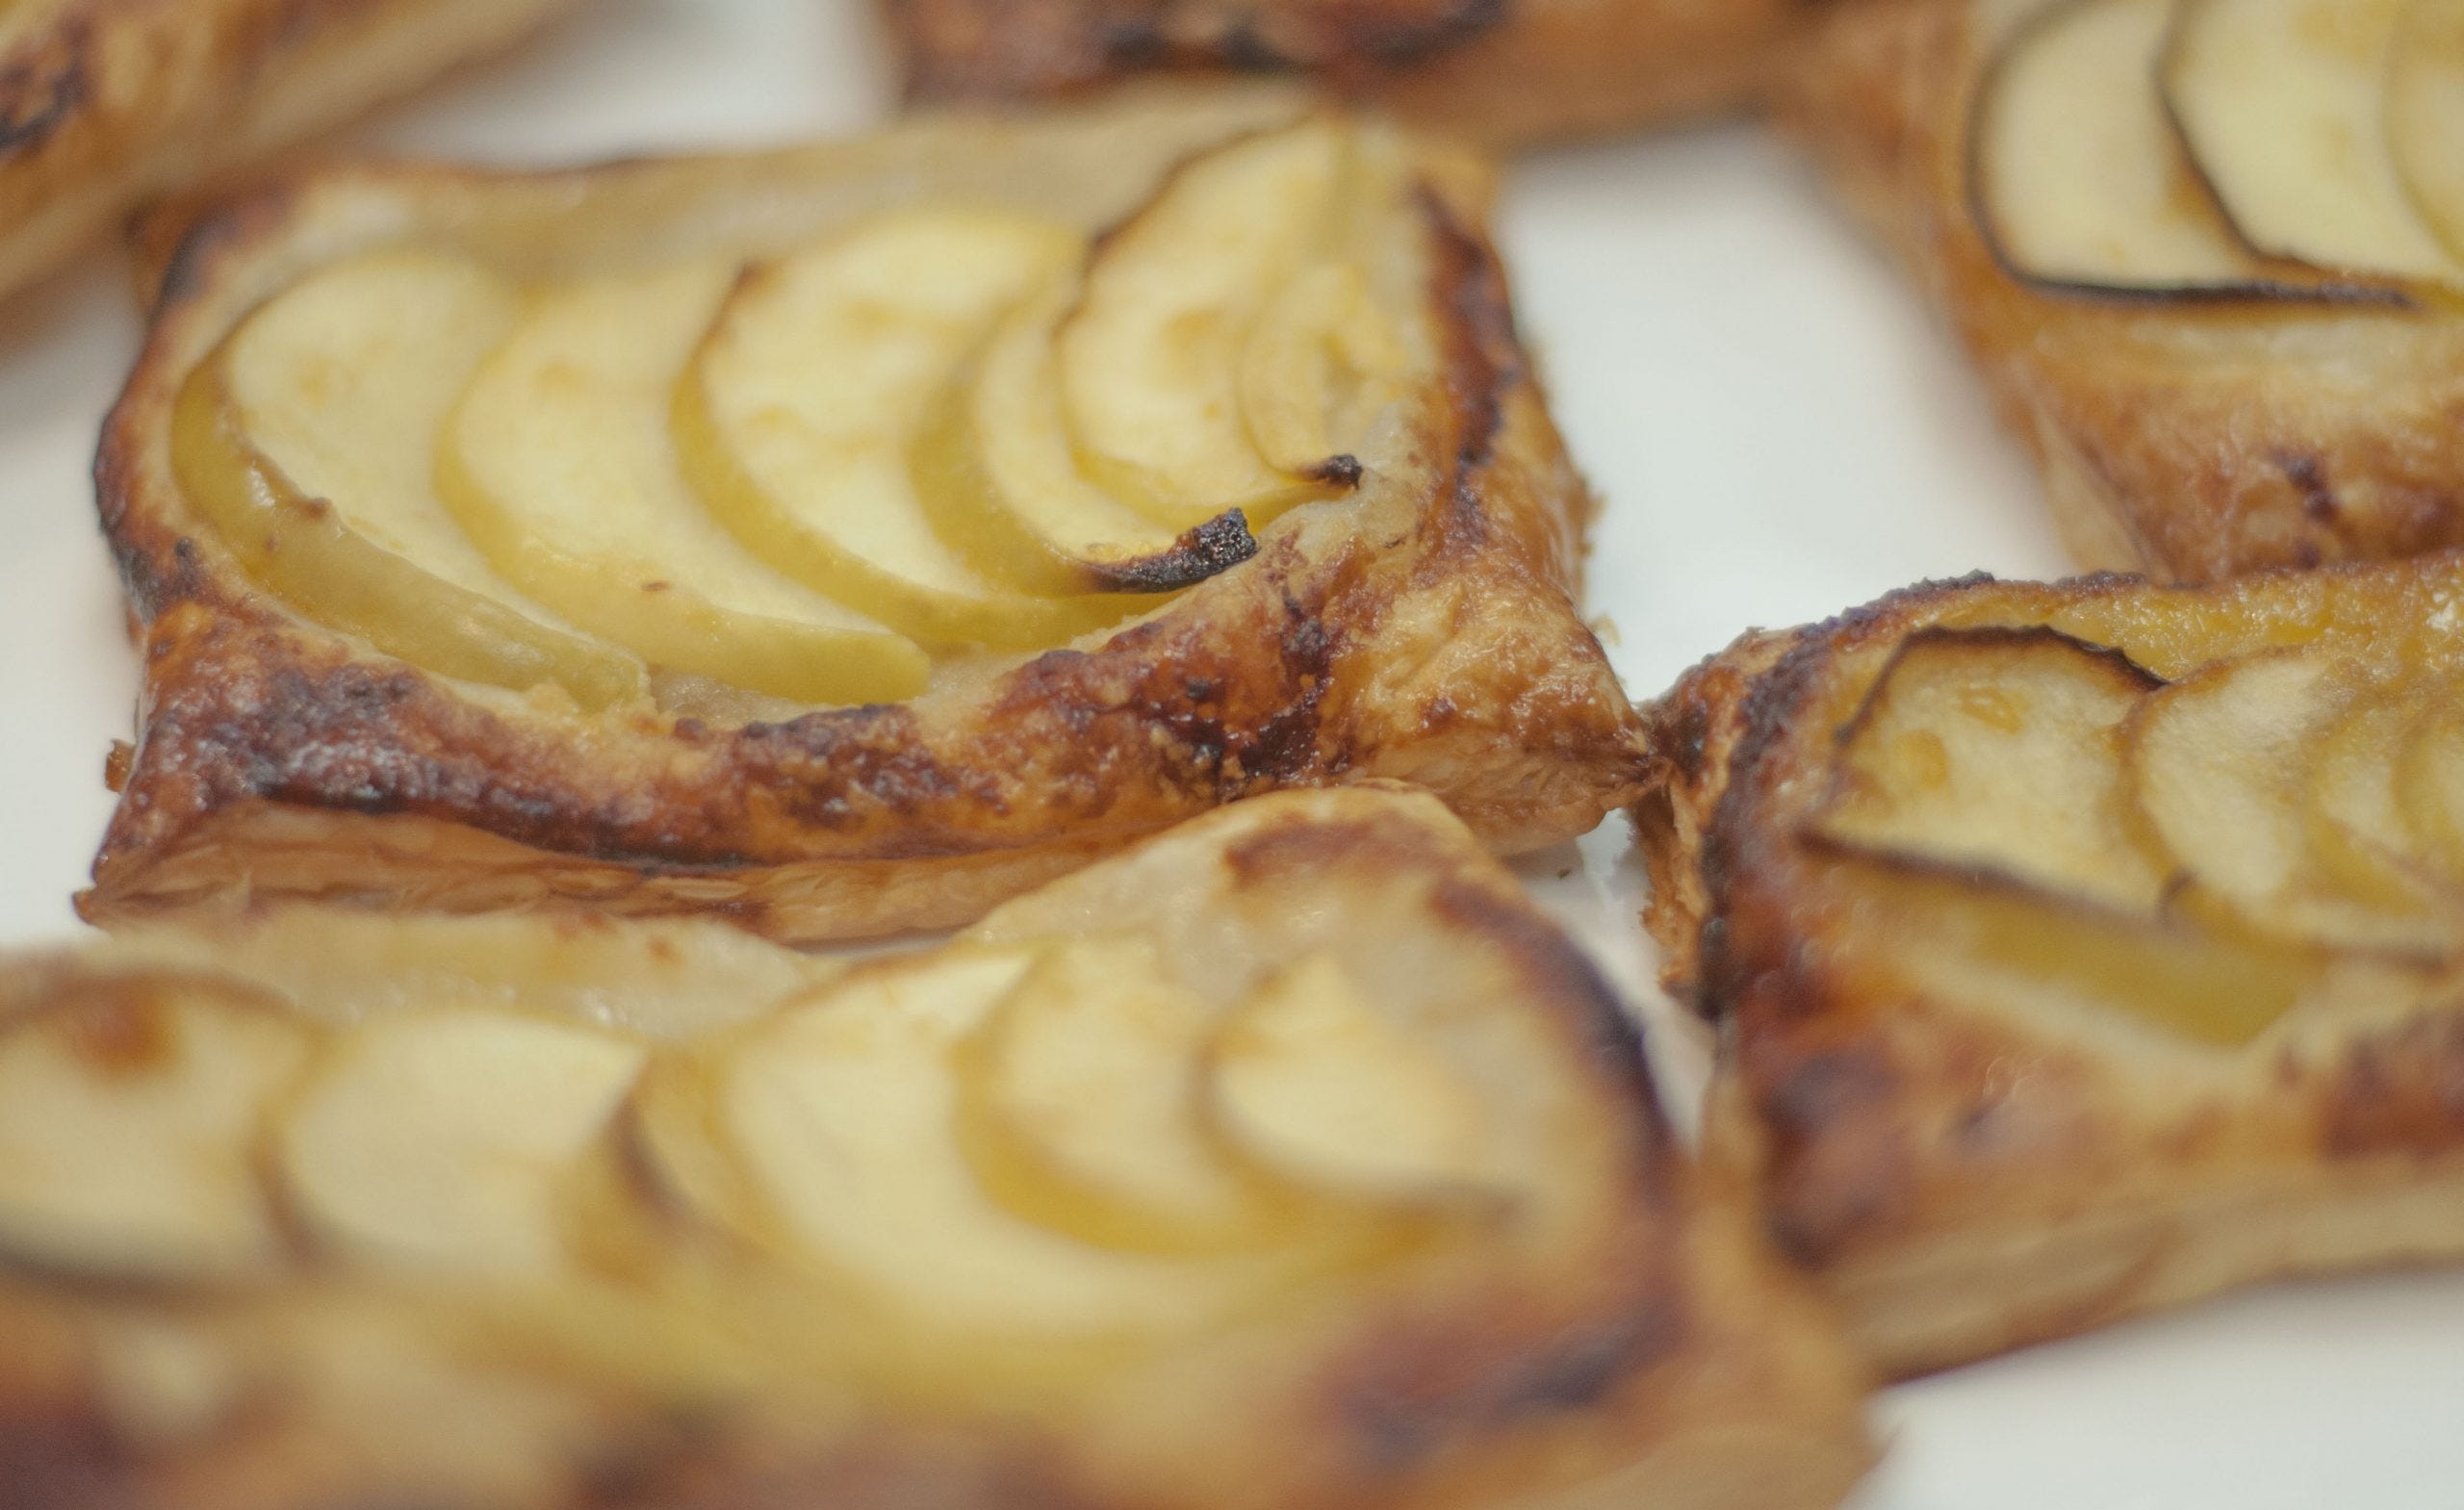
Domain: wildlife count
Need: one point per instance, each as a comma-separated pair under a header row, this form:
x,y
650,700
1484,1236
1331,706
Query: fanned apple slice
x,y
1320,363
309,438
2218,763
1996,750
2426,115
129,1117
2429,787
558,462
2043,954
438,1138
2357,829
2080,179
844,1115
995,472
2282,103
1080,1109
796,418
1149,360
1311,1081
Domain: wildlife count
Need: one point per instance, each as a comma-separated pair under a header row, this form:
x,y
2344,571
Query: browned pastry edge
x,y
1427,633
1962,1182
104,103
2188,440
1686,1370
1496,71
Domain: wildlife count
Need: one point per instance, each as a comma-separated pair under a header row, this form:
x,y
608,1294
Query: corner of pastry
x,y
2207,254
1506,71
1067,1210
2082,949
844,538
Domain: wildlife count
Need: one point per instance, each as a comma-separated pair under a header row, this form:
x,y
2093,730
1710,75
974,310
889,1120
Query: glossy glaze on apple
x,y
944,428
2091,947
1193,1180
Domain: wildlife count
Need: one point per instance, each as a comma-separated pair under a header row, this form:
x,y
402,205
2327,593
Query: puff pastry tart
x,y
846,538
1502,71
2208,254
1291,1160
104,103
2084,949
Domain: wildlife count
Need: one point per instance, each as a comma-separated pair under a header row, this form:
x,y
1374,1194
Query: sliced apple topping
x,y
438,1138
2429,788
129,1120
2079,176
796,416
1996,750
1312,1080
559,463
1149,360
1079,1107
994,468
845,1115
308,439
2218,766
2283,104
2426,115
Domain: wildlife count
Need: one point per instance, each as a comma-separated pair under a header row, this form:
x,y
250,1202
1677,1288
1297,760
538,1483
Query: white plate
x,y
1779,434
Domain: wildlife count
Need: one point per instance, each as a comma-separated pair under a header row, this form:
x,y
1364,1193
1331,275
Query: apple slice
x,y
129,1117
1996,751
1308,1078
438,1138
2283,105
557,462
844,1115
2041,955
798,413
1079,1107
308,439
2080,180
1149,360
2426,115
2357,829
2429,787
1321,362
2218,763
995,472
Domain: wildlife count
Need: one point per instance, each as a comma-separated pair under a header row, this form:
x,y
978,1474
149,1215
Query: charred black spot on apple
x,y
1215,546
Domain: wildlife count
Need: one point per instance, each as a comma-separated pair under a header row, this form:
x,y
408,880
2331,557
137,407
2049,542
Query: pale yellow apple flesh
x,y
307,440
2429,788
559,463
1997,751
1149,358
1318,364
1310,1080
844,1114
994,470
2216,765
436,1140
2356,828
2079,176
2283,105
1079,1107
2426,115
798,413
129,1120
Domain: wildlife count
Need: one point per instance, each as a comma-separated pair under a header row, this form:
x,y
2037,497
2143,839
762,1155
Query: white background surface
x,y
1779,432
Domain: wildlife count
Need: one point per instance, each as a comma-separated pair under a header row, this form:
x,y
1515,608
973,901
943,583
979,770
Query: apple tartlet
x,y
2083,949
841,539
106,103
1499,70
1291,1160
2208,254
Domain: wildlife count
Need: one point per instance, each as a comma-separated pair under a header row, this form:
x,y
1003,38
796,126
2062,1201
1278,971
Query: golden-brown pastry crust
x,y
104,103
1963,1179
1422,629
1499,70
1661,1360
2189,440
